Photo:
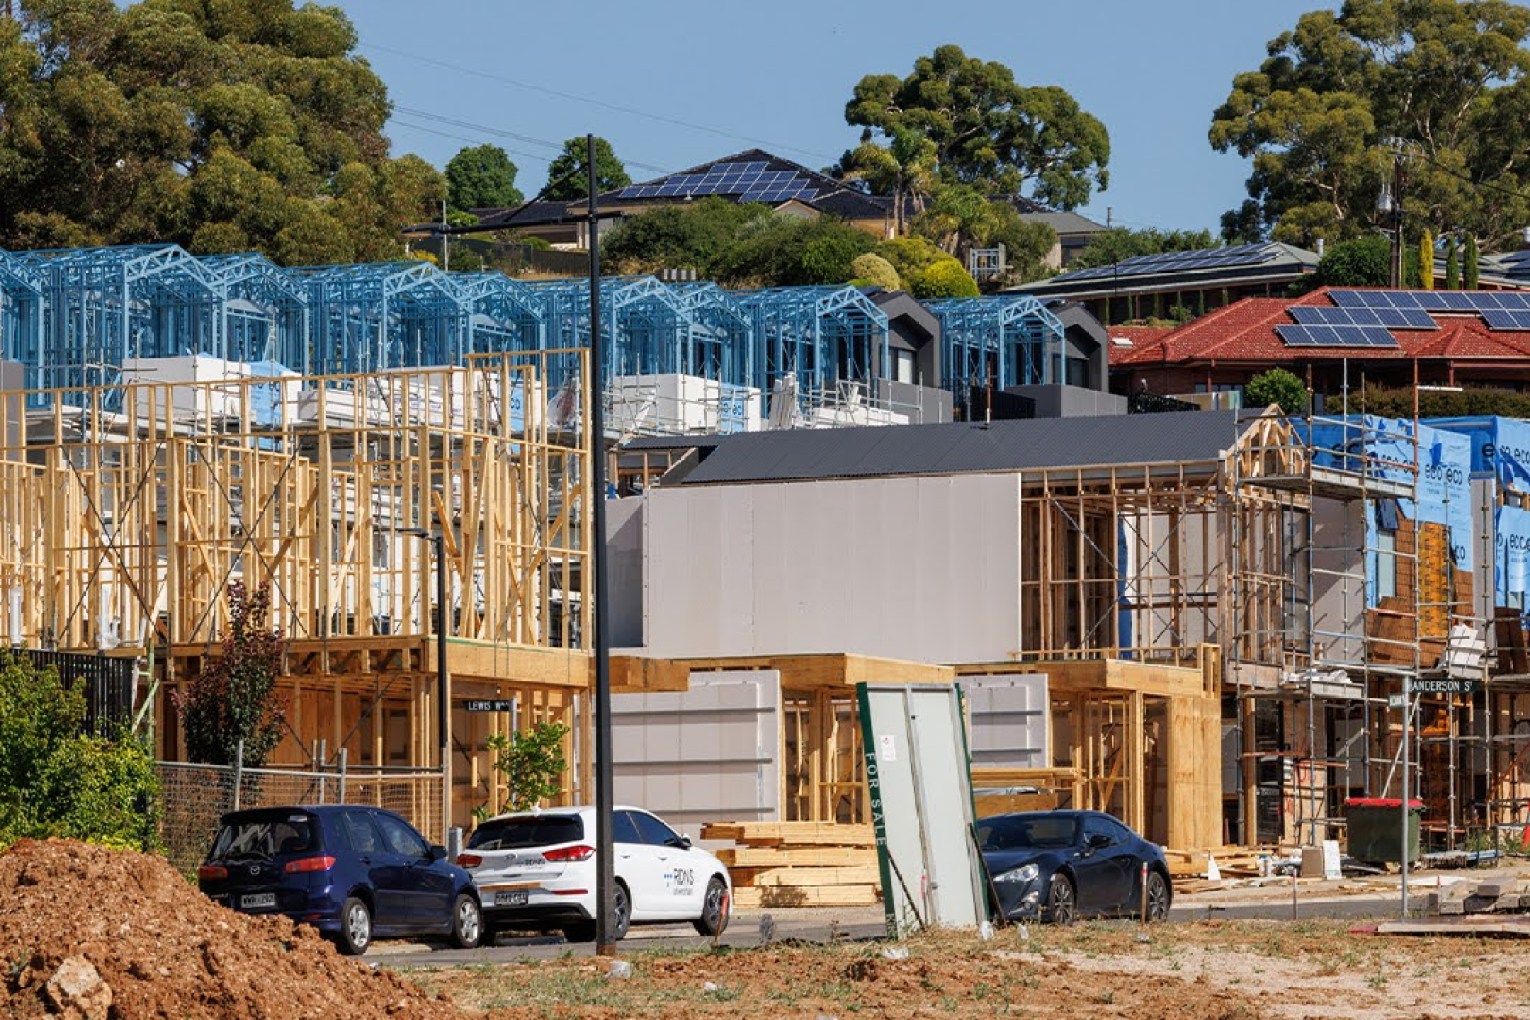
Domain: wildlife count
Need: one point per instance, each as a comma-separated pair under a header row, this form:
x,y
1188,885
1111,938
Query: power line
x,y
500,132
537,156
574,97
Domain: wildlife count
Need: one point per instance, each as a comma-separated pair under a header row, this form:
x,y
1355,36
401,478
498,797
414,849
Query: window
x,y
534,830
624,831
1386,564
653,831
358,832
1095,825
264,836
904,368
400,838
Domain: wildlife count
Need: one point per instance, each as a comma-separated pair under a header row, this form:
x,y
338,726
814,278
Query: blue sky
x,y
675,84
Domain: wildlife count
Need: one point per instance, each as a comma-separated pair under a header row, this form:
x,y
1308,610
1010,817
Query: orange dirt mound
x,y
114,935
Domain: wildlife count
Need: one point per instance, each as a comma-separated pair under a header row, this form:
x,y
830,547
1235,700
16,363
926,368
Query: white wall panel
x,y
704,755
926,569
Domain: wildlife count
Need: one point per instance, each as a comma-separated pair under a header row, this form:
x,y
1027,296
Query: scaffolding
x,y
999,341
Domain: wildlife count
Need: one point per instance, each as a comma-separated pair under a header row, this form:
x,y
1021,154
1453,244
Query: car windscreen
x,y
264,836
1045,832
533,830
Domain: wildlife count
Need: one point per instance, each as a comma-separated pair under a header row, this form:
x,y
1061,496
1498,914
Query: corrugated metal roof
x,y
969,447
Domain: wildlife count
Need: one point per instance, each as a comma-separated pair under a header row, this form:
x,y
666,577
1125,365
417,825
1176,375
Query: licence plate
x,y
512,898
257,900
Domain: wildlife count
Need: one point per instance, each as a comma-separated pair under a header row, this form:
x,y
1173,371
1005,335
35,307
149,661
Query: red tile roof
x,y
1245,332
1141,337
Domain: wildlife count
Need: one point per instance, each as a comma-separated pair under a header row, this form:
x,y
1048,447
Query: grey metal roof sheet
x,y
969,447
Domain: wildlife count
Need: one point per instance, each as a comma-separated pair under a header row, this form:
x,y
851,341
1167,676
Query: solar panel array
x,y
1500,309
1182,261
748,182
1336,336
1392,318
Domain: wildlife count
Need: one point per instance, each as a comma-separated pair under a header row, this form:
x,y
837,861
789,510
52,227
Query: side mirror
x,y
436,853
682,841
1097,841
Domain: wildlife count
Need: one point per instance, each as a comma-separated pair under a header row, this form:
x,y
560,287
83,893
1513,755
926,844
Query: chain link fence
x,y
195,797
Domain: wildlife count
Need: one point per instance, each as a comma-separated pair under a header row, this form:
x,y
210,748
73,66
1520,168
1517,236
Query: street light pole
x,y
605,872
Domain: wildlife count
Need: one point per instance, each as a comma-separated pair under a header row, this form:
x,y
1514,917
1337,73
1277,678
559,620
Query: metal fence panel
x,y
197,796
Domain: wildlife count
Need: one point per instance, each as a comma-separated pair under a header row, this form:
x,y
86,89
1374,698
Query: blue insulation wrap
x,y
1511,570
1500,448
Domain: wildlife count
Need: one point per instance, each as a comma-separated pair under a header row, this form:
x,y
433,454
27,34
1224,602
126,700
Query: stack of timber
x,y
1491,896
799,864
1189,868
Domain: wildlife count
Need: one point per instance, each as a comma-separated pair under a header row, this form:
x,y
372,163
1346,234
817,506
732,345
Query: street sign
x,y
1444,685
1396,700
494,705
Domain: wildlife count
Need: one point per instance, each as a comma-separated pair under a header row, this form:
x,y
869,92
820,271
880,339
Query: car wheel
x,y
355,933
467,922
1157,897
1062,906
714,909
621,912
621,919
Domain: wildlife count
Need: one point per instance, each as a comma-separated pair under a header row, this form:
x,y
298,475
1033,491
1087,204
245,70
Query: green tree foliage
x,y
1471,268
533,764
1397,402
782,250
56,780
1448,78
1452,264
691,236
926,270
961,218
1362,262
610,173
481,177
946,278
986,128
234,698
903,168
739,245
873,270
236,124
1277,386
1111,246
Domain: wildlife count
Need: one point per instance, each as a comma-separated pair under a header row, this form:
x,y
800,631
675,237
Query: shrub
x,y
532,763
234,698
876,271
1363,262
945,278
1277,386
56,780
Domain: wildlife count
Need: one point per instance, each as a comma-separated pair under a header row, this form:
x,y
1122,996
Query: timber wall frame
x,y
130,509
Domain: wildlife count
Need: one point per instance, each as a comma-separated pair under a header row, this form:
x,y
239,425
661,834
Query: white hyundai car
x,y
536,870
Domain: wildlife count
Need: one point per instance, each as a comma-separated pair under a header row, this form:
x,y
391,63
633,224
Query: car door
x,y
384,870
427,890
637,863
1104,866
675,895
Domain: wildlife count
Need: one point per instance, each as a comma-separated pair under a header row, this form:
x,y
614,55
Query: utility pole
x,y
605,872
1391,200
446,241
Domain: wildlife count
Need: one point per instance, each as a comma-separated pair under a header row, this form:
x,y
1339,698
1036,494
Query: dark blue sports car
x,y
1060,865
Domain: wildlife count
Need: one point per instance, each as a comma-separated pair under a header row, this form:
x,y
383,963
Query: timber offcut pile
x,y
799,864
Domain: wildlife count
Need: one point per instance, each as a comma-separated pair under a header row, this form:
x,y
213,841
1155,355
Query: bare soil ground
x,y
114,935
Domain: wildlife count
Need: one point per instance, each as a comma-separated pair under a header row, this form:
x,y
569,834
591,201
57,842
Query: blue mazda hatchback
x,y
356,873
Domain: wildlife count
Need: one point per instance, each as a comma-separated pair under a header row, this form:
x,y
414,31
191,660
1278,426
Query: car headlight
x,y
1024,873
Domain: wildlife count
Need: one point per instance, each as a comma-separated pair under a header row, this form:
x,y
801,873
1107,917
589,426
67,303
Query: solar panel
x,y
1499,318
1336,336
1392,318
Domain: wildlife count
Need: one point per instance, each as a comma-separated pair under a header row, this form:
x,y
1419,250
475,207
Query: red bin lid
x,y
1383,802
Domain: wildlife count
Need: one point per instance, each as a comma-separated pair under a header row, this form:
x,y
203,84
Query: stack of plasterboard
x,y
799,864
